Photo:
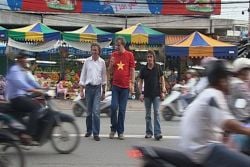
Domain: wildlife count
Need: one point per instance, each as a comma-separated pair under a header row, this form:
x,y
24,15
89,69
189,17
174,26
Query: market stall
x,y
35,39
141,38
198,45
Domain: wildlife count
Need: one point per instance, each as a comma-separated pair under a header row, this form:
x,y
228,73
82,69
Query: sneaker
x,y
158,137
147,136
87,134
112,135
96,138
121,136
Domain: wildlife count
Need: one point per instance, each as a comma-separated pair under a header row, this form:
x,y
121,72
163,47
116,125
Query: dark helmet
x,y
217,70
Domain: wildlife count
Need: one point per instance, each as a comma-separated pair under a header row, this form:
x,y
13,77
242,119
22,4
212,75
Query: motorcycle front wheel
x,y
65,137
11,155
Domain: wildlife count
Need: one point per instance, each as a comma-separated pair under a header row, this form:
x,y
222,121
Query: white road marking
x,y
138,136
127,136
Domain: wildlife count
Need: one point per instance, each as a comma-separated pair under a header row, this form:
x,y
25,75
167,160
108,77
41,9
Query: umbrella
x,y
199,45
88,33
37,32
140,34
3,33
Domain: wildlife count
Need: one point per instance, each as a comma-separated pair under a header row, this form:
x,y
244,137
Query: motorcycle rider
x,y
239,90
19,83
187,96
205,120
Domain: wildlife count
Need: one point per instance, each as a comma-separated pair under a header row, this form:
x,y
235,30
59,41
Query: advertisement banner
x,y
191,7
162,7
61,6
158,7
11,4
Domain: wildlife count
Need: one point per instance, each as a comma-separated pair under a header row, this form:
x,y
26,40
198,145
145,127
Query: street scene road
x,y
107,152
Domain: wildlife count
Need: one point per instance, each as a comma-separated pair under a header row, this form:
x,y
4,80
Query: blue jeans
x,y
93,97
156,105
221,156
119,99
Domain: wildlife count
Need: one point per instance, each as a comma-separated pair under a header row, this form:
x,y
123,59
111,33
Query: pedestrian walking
x,y
152,77
122,70
92,86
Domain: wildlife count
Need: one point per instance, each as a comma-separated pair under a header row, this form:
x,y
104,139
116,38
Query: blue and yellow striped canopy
x,y
198,45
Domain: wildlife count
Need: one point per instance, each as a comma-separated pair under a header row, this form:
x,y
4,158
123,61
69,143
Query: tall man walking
x,y
92,83
122,69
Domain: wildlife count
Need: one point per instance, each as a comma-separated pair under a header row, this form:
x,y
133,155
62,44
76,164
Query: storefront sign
x,y
160,7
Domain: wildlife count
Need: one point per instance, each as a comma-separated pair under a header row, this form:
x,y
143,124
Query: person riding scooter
x,y
18,85
239,92
205,120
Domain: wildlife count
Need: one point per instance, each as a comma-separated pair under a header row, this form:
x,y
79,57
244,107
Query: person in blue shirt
x,y
19,84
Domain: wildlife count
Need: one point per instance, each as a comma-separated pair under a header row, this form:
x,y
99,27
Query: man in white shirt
x,y
205,120
92,84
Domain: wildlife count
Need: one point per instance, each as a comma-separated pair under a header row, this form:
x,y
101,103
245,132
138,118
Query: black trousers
x,y
26,105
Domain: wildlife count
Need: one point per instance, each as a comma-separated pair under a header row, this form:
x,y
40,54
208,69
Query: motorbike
x,y
161,157
54,126
10,152
172,105
80,105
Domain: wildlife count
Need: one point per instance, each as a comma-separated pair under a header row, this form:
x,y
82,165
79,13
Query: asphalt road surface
x,y
107,152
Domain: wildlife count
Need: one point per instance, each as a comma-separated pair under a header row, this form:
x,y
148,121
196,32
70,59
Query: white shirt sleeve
x,y
104,73
83,74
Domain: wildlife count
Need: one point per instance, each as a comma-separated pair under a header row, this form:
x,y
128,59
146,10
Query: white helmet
x,y
241,63
205,61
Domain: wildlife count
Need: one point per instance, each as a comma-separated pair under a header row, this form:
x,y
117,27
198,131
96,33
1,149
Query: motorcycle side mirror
x,y
240,103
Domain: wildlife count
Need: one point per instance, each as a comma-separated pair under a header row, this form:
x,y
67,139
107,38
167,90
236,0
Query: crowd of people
x,y
211,99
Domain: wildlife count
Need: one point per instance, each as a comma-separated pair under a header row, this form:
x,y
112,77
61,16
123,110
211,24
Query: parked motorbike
x,y
80,106
54,126
10,152
161,157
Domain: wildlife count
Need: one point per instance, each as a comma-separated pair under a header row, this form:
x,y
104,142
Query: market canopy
x,y
198,45
37,32
3,33
140,34
88,33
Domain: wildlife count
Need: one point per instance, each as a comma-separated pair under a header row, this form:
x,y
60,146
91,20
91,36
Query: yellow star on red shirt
x,y
120,66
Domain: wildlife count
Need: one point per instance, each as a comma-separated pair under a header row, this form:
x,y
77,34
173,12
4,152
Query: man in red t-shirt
x,y
122,69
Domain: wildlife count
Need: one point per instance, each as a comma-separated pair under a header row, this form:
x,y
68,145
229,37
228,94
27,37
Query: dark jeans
x,y
221,156
119,99
93,97
27,105
148,102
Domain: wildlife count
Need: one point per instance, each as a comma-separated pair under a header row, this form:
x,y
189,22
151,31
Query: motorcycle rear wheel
x,y
78,110
62,135
11,155
167,114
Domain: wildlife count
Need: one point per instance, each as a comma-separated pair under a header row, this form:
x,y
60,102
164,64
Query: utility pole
x,y
126,21
41,18
248,20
